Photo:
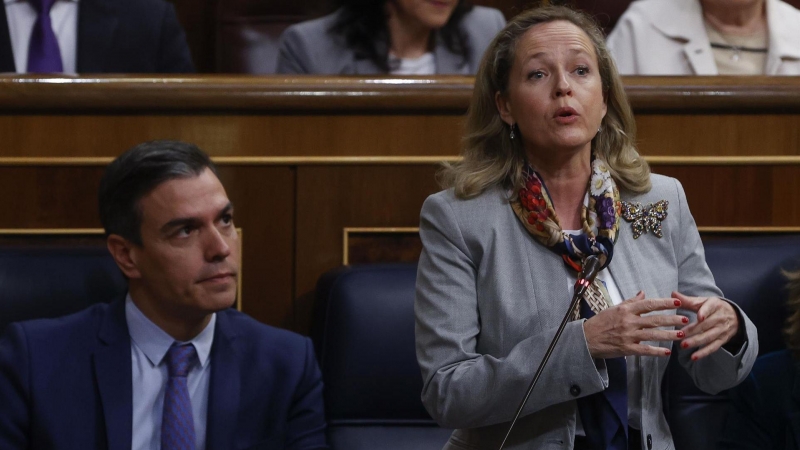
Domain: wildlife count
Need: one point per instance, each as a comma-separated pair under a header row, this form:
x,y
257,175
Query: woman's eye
x,y
536,74
583,70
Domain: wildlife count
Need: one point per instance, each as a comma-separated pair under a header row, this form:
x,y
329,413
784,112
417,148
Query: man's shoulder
x,y
82,323
259,336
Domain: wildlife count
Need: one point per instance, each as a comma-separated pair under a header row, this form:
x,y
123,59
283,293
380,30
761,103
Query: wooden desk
x,y
304,158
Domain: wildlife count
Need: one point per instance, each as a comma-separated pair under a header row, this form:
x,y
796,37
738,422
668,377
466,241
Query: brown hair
x,y
490,157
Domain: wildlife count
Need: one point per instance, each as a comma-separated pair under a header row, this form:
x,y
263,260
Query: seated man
x,y
170,366
100,36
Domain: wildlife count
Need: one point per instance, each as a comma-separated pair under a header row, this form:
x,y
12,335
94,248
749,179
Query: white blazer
x,y
668,37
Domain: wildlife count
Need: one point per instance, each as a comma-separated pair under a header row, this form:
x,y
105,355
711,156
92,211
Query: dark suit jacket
x,y
120,36
66,384
765,410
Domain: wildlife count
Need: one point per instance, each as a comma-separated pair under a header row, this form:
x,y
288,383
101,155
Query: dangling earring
x,y
512,135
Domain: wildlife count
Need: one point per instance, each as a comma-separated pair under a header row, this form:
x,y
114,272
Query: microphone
x,y
591,265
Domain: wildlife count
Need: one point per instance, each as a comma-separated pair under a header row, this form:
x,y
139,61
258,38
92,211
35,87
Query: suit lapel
x,y
624,266
97,22
6,52
112,367
225,387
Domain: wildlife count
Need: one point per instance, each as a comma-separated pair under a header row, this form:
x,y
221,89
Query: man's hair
x,y
137,172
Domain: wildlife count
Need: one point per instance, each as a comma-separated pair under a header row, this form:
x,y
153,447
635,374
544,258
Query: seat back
x,y
55,281
364,333
748,271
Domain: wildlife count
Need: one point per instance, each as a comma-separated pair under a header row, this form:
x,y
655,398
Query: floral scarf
x,y
600,219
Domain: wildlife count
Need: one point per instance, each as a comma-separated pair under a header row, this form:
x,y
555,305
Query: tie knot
x,y
180,359
42,5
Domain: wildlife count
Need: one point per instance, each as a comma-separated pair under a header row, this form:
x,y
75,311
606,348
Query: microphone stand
x,y
591,266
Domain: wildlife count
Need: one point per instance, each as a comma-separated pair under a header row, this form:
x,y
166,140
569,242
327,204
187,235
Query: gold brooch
x,y
645,218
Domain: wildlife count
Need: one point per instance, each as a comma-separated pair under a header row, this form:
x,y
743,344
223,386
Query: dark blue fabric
x,y
364,330
604,415
66,383
121,36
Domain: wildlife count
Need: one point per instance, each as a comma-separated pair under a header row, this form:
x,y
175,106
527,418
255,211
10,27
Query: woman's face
x,y
431,14
555,94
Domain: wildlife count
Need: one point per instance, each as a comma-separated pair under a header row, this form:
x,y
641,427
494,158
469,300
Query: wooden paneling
x,y
330,199
304,158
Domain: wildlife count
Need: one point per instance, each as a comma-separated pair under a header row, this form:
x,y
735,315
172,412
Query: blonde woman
x,y
550,174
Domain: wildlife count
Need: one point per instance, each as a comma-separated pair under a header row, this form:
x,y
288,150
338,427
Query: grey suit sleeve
x,y
293,53
462,387
720,370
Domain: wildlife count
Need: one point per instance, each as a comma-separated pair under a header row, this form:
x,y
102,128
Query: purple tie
x,y
177,423
44,55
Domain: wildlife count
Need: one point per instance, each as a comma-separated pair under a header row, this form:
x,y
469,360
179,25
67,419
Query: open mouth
x,y
566,112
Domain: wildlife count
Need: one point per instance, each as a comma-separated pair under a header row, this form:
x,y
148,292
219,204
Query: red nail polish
x,y
685,320
681,334
694,358
684,345
667,352
701,318
677,302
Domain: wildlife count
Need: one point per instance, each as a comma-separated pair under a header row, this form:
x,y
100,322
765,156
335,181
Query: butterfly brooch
x,y
645,218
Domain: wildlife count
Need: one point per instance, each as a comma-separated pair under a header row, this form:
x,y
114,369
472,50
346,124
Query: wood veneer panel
x,y
332,198
233,135
718,134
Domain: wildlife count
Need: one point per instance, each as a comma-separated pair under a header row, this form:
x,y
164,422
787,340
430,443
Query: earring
x,y
599,129
512,135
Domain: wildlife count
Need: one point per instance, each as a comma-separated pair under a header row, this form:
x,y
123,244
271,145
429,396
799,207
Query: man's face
x,y
187,265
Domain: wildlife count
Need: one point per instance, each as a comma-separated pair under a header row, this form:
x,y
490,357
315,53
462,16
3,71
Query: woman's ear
x,y
123,253
504,108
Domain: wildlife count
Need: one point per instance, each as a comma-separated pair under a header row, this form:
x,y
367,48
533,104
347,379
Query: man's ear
x,y
504,108
124,253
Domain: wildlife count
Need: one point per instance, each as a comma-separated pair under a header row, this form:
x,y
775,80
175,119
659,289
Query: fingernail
x,y
694,358
667,352
685,320
677,302
701,318
684,345
681,334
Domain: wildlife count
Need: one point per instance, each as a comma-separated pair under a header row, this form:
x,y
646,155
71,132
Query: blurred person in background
x,y
707,37
92,36
400,37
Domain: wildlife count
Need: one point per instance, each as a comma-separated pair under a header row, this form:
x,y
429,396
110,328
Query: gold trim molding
x,y
100,232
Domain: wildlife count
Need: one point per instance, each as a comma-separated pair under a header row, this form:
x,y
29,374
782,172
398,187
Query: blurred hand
x,y
716,324
618,331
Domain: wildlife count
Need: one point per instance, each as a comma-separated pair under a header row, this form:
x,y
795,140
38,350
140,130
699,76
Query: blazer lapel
x,y
6,52
685,24
97,22
112,367
624,266
783,38
447,62
225,387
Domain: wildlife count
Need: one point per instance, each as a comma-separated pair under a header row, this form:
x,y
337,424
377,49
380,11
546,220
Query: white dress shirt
x,y
64,16
149,345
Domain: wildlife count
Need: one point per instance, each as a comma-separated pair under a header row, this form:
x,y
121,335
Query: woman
x,y
548,168
707,37
765,413
403,37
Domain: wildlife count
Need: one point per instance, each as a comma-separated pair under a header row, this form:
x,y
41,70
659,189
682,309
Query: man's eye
x,y
227,219
184,232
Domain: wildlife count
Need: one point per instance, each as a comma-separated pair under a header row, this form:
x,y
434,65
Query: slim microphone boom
x,y
591,265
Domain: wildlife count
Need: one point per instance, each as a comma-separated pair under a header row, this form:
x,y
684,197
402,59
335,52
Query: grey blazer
x,y
489,300
311,48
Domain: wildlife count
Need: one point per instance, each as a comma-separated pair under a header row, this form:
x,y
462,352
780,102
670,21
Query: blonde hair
x,y
792,330
490,157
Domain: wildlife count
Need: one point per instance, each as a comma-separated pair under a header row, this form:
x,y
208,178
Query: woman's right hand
x,y
618,331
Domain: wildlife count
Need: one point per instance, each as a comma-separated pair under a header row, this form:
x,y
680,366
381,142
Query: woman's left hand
x,y
717,322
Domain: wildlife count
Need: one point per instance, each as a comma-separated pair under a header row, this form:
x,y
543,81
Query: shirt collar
x,y
155,342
